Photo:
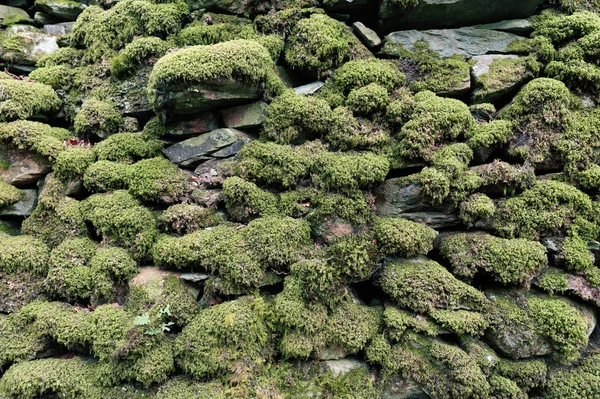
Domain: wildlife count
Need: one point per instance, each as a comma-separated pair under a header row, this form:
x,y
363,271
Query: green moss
x,y
319,43
346,172
96,117
157,179
590,178
272,164
21,99
398,321
114,262
121,221
102,32
423,285
283,21
211,30
368,100
347,132
57,76
353,257
72,163
503,73
560,29
489,134
452,159
581,382
508,261
35,136
73,252
357,382
186,218
434,120
576,255
64,55
136,53
221,337
527,374
317,281
9,194
574,73
127,147
24,253
360,73
292,118
181,388
562,324
402,237
351,326
577,5
245,200
553,282
576,145
244,61
103,176
461,321
502,387
476,207
273,43
434,184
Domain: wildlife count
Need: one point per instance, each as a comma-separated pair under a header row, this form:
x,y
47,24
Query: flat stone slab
x,y
367,36
245,116
502,87
516,26
22,208
469,41
203,145
309,89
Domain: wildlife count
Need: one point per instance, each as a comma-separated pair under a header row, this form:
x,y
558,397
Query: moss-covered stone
x,y
96,117
244,200
368,100
136,53
72,163
186,218
24,253
23,99
583,381
103,176
157,179
35,136
346,172
476,207
9,194
402,237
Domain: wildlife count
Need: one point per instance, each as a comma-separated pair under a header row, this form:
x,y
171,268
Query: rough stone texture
x,y
38,44
344,366
332,353
221,93
310,88
214,172
6,11
23,168
130,94
193,150
22,208
201,123
461,88
62,28
18,289
366,35
467,41
578,286
516,26
208,198
435,220
398,387
245,116
65,11
453,13
194,277
42,18
482,67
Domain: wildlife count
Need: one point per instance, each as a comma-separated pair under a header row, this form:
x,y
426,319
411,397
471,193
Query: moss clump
x,y
72,162
582,381
346,172
461,321
21,99
434,120
182,388
97,117
503,73
24,253
224,337
244,61
73,252
368,100
402,237
102,32
398,321
9,194
63,56
114,262
347,132
553,282
215,28
157,179
561,323
423,285
135,53
590,178
292,118
319,43
272,164
122,221
103,176
489,134
186,218
508,261
527,374
244,200
58,76
502,387
576,255
35,136
127,147
476,207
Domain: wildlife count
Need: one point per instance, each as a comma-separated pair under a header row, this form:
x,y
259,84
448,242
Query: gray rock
x,y
44,19
331,353
430,14
245,116
398,387
22,208
62,28
468,41
510,83
23,169
35,45
129,94
233,149
366,35
214,172
194,277
6,11
201,123
63,10
344,366
435,220
308,89
181,99
208,198
516,26
205,144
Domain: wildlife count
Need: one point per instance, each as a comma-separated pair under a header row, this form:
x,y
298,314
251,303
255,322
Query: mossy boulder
x,y
22,99
24,45
200,78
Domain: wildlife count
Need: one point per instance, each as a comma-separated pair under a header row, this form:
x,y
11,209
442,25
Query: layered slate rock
x,y
245,116
452,13
64,10
24,207
497,76
466,41
219,143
